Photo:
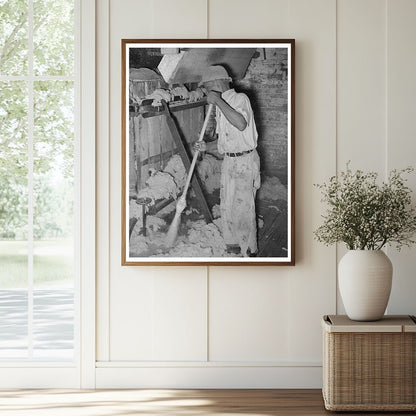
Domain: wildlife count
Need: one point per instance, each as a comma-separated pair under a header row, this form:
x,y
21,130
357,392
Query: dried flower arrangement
x,y
366,215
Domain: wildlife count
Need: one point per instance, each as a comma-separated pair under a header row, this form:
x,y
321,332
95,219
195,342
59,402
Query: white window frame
x,y
87,301
80,372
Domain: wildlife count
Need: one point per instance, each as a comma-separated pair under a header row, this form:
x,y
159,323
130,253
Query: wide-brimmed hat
x,y
213,73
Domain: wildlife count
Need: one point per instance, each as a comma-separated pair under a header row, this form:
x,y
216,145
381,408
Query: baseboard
x,y
209,377
39,378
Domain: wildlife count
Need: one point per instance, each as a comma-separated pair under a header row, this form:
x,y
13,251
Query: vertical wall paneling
x,y
246,326
361,84
140,327
180,19
103,191
179,324
87,192
236,19
311,282
161,316
246,307
312,24
248,314
361,88
401,140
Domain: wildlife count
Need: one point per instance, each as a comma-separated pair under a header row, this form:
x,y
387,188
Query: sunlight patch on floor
x,y
110,403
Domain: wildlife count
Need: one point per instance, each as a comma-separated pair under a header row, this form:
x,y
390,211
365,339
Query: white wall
x,y
254,326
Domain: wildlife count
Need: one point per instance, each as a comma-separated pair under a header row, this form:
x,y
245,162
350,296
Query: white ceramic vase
x,y
364,278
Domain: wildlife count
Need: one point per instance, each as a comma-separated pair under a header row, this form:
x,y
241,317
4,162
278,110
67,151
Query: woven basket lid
x,y
390,323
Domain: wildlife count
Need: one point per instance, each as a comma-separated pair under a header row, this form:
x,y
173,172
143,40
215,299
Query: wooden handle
x,y
204,126
201,136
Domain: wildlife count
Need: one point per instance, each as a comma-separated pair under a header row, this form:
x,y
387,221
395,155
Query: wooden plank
x,y
132,157
197,119
214,402
389,323
150,111
186,120
162,139
158,144
143,150
169,144
137,146
195,183
165,156
153,127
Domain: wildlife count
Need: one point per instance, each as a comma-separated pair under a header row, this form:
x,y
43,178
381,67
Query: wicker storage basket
x,y
369,366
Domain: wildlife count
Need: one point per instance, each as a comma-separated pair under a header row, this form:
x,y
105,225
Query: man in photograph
x,y
240,172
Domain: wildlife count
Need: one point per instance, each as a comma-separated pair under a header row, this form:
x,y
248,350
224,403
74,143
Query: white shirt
x,y
230,139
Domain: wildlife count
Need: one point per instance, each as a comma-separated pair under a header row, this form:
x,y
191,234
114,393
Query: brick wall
x,y
265,83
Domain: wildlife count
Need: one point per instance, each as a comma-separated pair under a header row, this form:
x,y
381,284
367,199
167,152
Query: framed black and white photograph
x,y
208,152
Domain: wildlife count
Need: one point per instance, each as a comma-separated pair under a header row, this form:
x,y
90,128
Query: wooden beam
x,y
150,111
195,183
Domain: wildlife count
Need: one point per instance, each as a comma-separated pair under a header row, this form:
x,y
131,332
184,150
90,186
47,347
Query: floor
x,y
165,402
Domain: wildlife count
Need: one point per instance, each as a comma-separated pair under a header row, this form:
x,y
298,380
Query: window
x,y
38,185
